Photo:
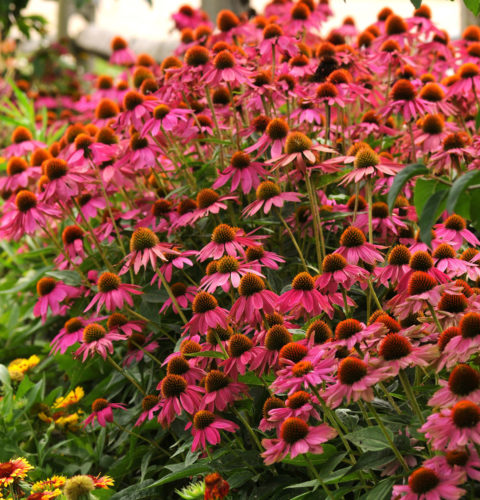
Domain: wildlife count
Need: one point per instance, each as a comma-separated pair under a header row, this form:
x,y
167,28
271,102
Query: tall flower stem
x,y
149,354
410,395
248,428
170,294
215,121
388,438
368,189
374,295
294,241
317,223
315,474
435,318
125,374
139,436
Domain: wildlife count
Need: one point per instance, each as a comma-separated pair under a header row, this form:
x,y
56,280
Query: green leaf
x,y
473,6
370,438
424,188
205,354
372,459
402,178
71,278
416,3
382,490
459,187
430,213
475,208
4,376
193,470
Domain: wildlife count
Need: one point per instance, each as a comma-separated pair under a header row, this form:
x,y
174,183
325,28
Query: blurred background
x,y
135,18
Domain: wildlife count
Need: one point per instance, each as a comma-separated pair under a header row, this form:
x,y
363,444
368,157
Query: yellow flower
x,y
70,421
44,417
18,367
52,483
71,398
102,481
33,360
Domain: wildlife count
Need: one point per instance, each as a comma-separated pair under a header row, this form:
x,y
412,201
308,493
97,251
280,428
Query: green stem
x,y
389,398
172,297
139,436
388,438
317,477
434,317
410,395
249,429
294,241
368,189
125,374
317,224
374,295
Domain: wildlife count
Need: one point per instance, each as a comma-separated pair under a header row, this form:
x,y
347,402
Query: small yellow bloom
x,y
71,398
52,483
33,361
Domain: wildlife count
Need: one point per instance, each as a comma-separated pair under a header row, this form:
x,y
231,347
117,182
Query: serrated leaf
x,y
402,178
430,214
459,187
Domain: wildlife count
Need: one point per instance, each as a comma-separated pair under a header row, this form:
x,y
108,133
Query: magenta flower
x,y
463,383
137,345
70,334
464,460
269,195
121,54
50,293
64,181
454,231
26,216
206,314
177,395
405,101
19,174
304,299
337,271
427,483
221,391
177,260
296,437
229,271
205,428
354,247
149,407
253,301
164,118
242,172
113,293
95,339
184,294
145,247
102,412
23,143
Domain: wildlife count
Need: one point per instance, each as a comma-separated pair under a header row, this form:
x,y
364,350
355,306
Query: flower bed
x,y
251,270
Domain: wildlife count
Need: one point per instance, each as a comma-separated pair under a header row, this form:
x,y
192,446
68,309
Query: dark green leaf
x,y
430,214
372,459
205,354
473,6
416,3
193,470
369,439
459,187
401,179
382,491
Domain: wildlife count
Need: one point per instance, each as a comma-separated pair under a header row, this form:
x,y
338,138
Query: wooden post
x,y
213,7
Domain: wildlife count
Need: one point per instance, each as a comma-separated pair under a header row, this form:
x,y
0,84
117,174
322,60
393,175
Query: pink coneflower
x,y
102,412
95,339
184,295
241,354
337,271
226,69
270,403
137,345
257,257
445,260
430,135
454,427
118,322
177,395
454,231
463,460
463,383
384,224
89,205
121,54
19,174
221,391
313,369
426,483
177,260
145,247
113,293
164,118
229,271
295,438
468,81
397,353
70,334
456,148
368,164
275,135
206,314
187,368
329,95
22,143
50,293
351,332
188,17
253,301
299,404
461,347
26,216
208,202
355,381
137,109
268,195
405,101
149,407
421,260
266,356
205,429
304,299
72,237
226,240
242,172
64,180
354,247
